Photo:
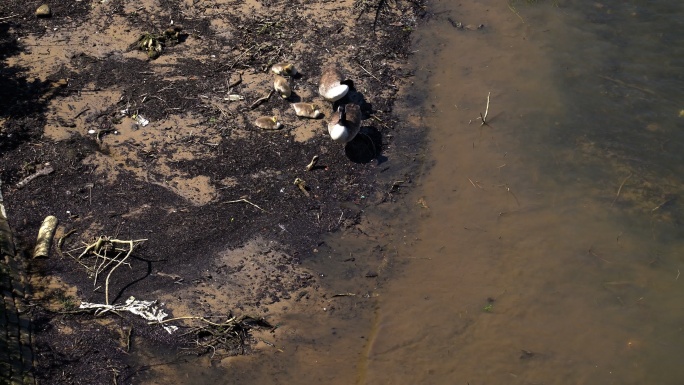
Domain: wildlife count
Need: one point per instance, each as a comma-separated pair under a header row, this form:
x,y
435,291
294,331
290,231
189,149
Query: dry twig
x,y
43,171
246,201
484,117
259,101
102,249
620,189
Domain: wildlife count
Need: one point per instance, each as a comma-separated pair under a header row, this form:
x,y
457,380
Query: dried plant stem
x,y
512,8
373,76
231,320
484,117
620,189
246,201
258,102
131,245
99,249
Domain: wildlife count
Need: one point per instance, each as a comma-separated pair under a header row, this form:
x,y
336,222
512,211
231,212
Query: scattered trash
x,y
140,120
302,186
154,44
144,309
312,164
234,98
44,11
137,117
45,234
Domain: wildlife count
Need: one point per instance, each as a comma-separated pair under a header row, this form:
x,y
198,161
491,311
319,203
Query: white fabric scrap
x,y
144,309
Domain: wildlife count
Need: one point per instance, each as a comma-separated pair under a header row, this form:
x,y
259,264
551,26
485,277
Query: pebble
x,y
44,11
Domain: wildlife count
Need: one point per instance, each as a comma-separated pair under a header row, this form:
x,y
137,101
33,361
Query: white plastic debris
x,y
234,98
141,121
144,309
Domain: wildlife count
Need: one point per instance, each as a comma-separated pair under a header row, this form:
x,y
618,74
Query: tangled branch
x,y
105,254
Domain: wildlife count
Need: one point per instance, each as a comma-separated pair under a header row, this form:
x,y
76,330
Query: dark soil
x,y
184,238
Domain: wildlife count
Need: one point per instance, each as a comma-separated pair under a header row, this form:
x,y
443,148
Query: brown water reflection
x,y
547,257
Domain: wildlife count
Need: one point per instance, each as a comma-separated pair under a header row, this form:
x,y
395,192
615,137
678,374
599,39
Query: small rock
x,y
44,11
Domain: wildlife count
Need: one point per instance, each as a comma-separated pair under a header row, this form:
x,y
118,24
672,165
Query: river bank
x,y
163,152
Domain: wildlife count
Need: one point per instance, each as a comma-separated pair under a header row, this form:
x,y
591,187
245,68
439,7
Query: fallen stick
x,y
237,82
131,244
229,321
484,117
344,295
619,190
246,201
620,82
43,171
259,101
100,249
662,204
373,76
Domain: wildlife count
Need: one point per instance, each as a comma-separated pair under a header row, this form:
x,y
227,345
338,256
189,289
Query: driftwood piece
x,y
108,254
258,102
45,234
47,170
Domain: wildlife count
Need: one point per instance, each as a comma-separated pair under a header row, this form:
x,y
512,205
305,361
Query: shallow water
x,y
552,248
549,248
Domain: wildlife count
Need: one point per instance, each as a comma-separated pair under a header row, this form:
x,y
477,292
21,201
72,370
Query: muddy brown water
x,y
547,247
552,249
